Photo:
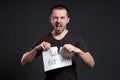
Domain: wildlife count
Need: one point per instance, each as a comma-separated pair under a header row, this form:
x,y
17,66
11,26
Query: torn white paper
x,y
53,60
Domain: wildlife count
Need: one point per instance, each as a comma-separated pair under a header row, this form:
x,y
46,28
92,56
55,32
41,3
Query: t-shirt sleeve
x,y
81,44
36,42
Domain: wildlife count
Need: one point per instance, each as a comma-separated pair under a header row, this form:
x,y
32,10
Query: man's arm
x,y
30,55
86,57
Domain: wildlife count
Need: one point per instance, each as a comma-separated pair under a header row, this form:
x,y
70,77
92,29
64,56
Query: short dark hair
x,y
59,7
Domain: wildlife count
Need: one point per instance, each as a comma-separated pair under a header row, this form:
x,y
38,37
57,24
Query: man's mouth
x,y
58,26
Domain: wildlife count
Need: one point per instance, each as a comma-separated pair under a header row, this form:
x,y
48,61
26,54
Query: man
x,y
60,36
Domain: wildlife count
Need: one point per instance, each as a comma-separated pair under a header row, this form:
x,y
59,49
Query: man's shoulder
x,y
44,35
75,35
72,33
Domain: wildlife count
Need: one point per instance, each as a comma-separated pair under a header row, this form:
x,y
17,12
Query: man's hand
x,y
71,48
44,46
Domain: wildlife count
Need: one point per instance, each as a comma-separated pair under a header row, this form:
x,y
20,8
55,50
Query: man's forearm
x,y
28,56
87,59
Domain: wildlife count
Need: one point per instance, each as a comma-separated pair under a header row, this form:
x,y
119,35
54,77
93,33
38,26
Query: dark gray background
x,y
22,21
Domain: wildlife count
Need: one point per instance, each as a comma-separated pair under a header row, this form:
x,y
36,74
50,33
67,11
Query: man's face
x,y
59,20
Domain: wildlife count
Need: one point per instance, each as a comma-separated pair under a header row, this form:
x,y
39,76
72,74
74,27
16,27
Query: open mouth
x,y
58,26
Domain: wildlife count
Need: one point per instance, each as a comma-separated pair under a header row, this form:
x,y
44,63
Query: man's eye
x,y
55,18
62,17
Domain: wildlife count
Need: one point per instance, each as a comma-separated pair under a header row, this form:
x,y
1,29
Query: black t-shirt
x,y
65,73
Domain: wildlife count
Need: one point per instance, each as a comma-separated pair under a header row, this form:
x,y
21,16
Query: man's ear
x,y
50,18
68,19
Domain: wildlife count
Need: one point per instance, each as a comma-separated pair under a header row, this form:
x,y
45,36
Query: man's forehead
x,y
59,12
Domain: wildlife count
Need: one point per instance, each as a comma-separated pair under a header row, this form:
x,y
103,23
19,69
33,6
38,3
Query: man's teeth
x,y
58,25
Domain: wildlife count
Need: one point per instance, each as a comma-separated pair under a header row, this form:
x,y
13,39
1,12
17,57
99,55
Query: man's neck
x,y
60,35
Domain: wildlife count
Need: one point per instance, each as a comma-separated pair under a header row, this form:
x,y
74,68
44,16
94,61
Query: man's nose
x,y
58,20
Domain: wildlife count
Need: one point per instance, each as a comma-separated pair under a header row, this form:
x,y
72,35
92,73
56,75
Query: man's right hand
x,y
44,46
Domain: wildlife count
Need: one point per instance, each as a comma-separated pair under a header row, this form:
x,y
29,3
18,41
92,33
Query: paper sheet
x,y
53,59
